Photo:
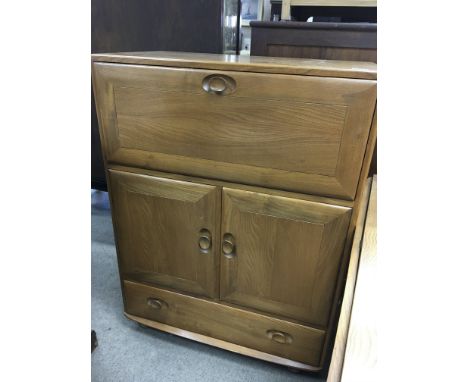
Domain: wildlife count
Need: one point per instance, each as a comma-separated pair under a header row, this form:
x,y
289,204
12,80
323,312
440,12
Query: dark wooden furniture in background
x,y
177,25
288,6
328,41
327,13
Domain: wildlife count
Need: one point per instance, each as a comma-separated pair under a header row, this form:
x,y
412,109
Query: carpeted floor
x,y
128,352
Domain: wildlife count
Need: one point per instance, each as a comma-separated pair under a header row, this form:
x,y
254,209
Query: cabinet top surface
x,y
278,65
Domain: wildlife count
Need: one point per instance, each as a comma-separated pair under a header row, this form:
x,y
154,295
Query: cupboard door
x,y
167,232
281,255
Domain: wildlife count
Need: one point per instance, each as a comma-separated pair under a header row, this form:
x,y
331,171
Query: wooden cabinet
x,y
234,183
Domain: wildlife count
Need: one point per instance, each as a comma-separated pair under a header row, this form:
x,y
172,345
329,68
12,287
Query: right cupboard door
x,y
281,255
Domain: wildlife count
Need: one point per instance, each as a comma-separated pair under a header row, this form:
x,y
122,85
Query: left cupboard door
x,y
167,232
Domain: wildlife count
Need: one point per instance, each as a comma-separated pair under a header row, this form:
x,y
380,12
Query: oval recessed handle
x,y
156,303
229,246
279,337
204,240
218,84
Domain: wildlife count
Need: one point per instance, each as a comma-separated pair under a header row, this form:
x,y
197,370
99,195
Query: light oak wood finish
x,y
158,229
163,119
272,65
283,247
226,323
144,195
338,355
287,4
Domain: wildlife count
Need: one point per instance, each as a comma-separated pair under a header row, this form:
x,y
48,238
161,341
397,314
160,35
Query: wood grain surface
x,y
231,129
220,183
225,323
296,133
233,199
239,349
287,254
158,223
275,65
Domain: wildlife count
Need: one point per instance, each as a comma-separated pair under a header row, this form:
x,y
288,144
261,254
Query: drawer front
x,y
298,133
267,334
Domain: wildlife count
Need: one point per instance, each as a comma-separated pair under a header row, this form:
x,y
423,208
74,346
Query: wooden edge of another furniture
x,y
287,4
223,344
354,353
362,27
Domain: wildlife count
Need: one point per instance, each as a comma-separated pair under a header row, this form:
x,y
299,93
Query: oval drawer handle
x,y
156,303
204,240
218,84
280,337
229,246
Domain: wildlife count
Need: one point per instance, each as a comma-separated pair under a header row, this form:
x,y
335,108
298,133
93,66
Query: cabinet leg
x,y
94,341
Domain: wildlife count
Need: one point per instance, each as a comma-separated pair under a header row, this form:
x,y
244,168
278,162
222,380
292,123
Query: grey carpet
x,y
128,352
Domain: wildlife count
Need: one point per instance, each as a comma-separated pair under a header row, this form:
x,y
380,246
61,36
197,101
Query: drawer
x,y
252,330
298,133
